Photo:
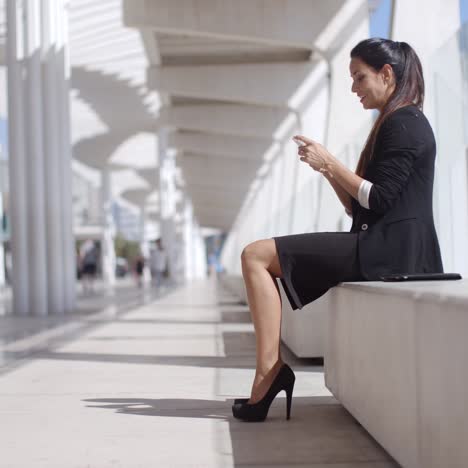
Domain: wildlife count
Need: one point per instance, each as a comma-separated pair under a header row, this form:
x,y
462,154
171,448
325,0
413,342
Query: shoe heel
x,y
259,411
289,393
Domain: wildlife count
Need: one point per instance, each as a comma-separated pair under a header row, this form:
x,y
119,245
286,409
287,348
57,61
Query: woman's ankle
x,y
264,369
263,380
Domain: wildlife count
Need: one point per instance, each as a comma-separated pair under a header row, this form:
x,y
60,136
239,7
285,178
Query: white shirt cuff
x,y
363,193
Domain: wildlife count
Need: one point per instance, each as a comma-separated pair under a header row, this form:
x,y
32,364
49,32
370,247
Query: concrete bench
x,y
396,356
304,330
235,285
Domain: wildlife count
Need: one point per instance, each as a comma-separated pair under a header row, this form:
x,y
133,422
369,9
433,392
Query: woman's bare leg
x,y
260,267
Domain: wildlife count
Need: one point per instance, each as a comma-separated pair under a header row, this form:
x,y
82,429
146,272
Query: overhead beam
x,y
213,210
96,151
216,224
229,119
210,211
214,168
220,202
269,84
296,23
207,219
150,176
235,191
219,145
241,185
136,196
211,193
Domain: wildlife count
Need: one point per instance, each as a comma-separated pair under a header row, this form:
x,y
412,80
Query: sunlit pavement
x,y
140,378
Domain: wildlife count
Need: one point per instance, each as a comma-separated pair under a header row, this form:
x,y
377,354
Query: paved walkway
x,y
134,380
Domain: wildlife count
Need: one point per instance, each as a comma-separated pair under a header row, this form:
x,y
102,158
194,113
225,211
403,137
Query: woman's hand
x,y
314,154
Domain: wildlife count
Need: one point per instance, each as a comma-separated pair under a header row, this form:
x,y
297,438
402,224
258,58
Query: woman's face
x,y
373,88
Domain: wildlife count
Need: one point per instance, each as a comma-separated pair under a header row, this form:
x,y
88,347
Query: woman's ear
x,y
388,75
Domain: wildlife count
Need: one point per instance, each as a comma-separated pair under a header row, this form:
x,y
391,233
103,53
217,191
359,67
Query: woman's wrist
x,y
327,175
329,167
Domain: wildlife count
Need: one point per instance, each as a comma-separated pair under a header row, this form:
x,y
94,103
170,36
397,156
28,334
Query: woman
x,y
389,198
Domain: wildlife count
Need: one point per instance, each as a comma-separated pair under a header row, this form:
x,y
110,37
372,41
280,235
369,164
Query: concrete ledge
x,y
304,330
395,357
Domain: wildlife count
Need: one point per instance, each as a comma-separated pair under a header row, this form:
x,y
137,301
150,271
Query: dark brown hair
x,y
376,52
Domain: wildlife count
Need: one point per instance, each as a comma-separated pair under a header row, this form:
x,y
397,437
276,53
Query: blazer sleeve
x,y
399,145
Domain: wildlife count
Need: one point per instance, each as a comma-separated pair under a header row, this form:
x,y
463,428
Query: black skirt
x,y
313,263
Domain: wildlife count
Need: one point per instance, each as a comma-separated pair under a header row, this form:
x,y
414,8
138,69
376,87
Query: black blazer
x,y
396,233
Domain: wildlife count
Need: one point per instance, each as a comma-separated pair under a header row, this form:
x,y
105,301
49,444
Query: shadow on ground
x,y
319,431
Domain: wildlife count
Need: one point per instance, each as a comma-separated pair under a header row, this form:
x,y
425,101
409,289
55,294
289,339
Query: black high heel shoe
x,y
258,412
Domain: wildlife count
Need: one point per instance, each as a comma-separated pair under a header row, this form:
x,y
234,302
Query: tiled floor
x,y
134,380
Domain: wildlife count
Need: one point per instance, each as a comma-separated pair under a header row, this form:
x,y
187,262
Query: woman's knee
x,y
252,253
262,252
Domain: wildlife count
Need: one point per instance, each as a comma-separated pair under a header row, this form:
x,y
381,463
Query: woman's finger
x,y
305,140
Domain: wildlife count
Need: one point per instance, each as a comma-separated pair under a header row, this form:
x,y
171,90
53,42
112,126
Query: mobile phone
x,y
421,277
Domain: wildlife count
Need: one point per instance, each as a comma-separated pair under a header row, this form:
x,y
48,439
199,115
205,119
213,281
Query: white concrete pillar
x,y
179,236
52,163
199,252
65,156
188,239
167,199
2,249
17,159
195,249
144,242
107,247
37,258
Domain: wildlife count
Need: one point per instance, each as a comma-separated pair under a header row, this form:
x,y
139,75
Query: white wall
x,y
435,38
